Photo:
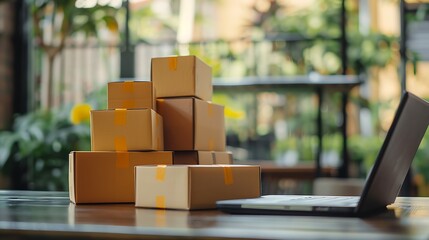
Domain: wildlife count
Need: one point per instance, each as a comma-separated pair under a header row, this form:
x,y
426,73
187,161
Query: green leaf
x,y
7,139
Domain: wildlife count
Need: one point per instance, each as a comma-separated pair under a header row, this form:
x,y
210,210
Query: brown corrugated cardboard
x,y
126,130
108,177
201,157
194,186
192,124
130,95
184,76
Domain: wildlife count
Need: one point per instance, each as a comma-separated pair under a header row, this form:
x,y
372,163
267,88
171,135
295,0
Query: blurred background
x,y
310,87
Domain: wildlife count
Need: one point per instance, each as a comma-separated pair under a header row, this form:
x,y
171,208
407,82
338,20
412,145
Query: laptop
x,y
382,185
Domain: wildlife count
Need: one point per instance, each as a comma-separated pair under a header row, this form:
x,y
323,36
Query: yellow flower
x,y
234,114
80,113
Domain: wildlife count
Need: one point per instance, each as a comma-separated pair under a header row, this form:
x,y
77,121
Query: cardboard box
x,y
192,124
108,177
201,157
130,95
194,186
184,76
126,130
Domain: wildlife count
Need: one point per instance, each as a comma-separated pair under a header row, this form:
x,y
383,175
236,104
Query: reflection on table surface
x,y
30,214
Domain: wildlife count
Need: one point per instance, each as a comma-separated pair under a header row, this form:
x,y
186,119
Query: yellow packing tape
x,y
120,117
160,172
121,144
160,201
128,86
122,160
211,144
210,110
227,175
172,63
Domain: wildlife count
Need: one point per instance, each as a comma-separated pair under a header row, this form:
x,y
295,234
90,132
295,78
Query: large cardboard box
x,y
194,186
192,124
184,76
108,177
130,95
201,157
126,130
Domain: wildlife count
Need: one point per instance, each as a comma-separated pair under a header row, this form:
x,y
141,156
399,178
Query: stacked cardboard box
x,y
194,130
127,134
173,112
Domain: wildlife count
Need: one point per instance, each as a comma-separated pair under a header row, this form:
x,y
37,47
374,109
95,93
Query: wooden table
x,y
49,215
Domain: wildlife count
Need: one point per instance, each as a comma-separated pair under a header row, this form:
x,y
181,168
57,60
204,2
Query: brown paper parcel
x,y
130,95
126,130
183,76
108,177
192,124
194,186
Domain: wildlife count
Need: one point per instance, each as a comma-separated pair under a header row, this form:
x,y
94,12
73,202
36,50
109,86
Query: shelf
x,y
334,82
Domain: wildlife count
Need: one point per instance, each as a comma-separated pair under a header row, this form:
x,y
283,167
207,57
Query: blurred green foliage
x,y
34,154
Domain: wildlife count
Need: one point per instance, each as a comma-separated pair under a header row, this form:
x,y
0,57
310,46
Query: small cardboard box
x,y
194,186
192,124
108,177
130,95
126,130
201,157
184,76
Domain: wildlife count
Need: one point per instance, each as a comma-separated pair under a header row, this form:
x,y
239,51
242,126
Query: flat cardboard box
x,y
194,186
130,95
192,124
184,76
126,130
108,177
201,157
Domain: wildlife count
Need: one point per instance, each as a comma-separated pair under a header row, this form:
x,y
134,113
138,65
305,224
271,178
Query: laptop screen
x,y
396,154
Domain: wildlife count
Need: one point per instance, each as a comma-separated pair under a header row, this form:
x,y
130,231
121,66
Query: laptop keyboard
x,y
315,200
